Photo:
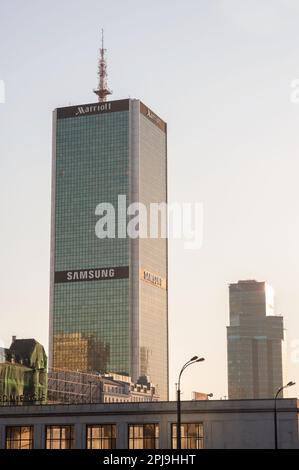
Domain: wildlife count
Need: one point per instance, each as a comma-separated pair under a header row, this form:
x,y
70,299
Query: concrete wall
x,y
228,424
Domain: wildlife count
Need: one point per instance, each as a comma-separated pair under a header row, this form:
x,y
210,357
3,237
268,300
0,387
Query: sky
x,y
220,74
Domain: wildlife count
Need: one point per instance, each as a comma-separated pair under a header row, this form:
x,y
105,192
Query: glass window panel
x,y
59,437
101,436
144,436
19,437
192,436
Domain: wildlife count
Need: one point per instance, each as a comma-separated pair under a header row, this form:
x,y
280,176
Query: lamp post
x,y
193,360
290,384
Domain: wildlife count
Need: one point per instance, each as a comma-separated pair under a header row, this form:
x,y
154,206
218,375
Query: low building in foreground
x,y
210,424
83,387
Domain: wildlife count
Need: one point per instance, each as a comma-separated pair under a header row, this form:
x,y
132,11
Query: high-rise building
x,y
254,342
108,296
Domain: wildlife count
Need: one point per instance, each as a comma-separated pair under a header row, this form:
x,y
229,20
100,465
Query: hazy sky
x,y
219,73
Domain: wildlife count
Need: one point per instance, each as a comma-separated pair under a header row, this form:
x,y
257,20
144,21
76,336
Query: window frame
x,y
30,441
156,437
101,425
71,439
200,439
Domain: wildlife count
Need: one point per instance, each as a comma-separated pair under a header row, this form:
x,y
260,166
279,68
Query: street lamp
x,y
290,384
193,360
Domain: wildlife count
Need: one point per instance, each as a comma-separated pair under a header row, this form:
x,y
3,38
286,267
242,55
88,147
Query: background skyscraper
x,y
113,320
254,342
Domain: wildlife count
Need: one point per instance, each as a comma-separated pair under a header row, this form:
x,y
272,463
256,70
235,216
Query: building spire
x,y
102,91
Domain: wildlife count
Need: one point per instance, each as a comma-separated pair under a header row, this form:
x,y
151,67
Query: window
x,y
143,436
101,436
191,436
59,437
19,437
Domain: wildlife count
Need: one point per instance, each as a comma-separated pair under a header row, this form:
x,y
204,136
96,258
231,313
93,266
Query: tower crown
x,y
102,91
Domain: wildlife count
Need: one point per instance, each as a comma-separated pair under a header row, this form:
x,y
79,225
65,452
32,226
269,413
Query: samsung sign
x,y
97,274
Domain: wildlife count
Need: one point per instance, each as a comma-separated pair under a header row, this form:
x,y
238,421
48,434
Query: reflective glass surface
x,y
90,318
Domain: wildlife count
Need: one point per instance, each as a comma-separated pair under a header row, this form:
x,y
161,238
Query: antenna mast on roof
x,y
102,91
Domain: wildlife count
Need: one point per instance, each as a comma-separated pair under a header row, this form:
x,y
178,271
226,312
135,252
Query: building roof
x,y
28,351
23,347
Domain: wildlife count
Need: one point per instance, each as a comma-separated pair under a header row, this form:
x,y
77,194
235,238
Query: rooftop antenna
x,y
102,91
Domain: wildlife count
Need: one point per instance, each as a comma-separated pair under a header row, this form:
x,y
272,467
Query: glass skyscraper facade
x,y
255,340
108,313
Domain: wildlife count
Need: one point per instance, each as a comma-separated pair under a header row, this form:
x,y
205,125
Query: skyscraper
x,y
254,342
108,297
